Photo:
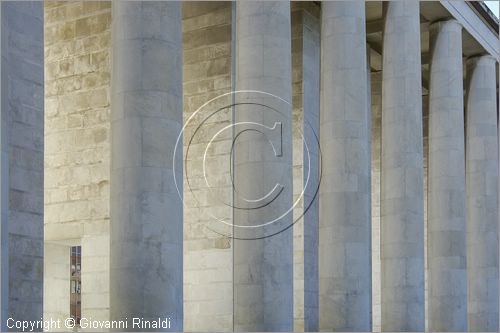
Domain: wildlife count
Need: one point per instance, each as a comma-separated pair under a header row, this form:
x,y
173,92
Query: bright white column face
x,y
402,199
446,182
482,194
344,200
263,206
146,210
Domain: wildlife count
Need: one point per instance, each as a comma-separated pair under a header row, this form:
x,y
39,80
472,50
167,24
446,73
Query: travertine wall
x,y
56,267
376,105
21,160
77,156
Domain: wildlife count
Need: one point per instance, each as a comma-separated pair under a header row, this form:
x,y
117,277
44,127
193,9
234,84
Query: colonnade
x,y
462,165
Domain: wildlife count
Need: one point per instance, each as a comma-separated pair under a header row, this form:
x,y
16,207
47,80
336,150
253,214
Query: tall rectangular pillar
x,y
263,207
402,180
21,168
146,207
345,198
446,182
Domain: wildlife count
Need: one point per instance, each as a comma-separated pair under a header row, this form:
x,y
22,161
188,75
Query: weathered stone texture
x,y
376,122
77,155
208,259
56,281
305,85
482,194
446,244
77,162
402,176
344,202
22,160
146,266
263,260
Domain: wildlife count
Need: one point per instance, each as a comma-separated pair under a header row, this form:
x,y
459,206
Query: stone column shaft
x,y
21,161
345,198
402,199
482,194
446,182
263,249
146,210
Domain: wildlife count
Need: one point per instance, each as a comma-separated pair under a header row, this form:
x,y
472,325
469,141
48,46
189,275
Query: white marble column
x,y
446,182
402,199
263,270
482,194
146,211
344,199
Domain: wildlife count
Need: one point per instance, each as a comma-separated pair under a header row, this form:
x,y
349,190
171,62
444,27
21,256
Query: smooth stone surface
x,y
446,182
402,179
482,194
146,219
22,161
263,265
345,198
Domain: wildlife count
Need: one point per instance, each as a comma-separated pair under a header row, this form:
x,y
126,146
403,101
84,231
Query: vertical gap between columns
x,y
231,161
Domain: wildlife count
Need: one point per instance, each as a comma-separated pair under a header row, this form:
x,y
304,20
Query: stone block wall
x,y
77,153
56,281
376,106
